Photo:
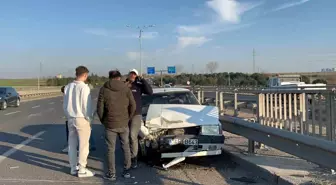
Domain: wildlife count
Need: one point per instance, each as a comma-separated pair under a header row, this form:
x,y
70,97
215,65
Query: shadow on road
x,y
44,153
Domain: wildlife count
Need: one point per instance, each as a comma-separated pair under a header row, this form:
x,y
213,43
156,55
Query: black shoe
x,y
134,163
126,173
110,177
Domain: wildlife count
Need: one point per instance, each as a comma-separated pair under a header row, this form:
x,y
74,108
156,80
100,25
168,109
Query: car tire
x,y
3,106
17,103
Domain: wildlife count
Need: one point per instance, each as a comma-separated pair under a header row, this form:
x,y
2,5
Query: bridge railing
x,y
305,112
308,112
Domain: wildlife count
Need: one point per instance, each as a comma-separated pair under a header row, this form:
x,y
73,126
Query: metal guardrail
x,y
39,94
319,151
35,88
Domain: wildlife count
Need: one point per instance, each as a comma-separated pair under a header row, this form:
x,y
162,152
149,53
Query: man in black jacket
x,y
138,86
115,108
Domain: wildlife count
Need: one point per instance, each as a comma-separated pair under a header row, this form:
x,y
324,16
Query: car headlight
x,y
210,130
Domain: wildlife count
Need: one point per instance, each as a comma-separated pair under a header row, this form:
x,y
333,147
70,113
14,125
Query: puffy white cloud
x,y
230,10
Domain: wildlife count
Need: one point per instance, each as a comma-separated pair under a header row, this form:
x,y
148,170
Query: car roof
x,y
5,87
171,89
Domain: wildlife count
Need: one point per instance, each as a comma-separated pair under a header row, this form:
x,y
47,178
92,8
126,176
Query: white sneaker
x,y
84,172
74,171
65,150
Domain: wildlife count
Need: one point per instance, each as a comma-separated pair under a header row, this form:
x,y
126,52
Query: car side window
x,y
12,91
2,90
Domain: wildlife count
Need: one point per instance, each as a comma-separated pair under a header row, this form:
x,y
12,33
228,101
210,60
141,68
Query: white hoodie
x,y
77,101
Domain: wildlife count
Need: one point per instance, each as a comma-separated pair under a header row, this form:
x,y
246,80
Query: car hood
x,y
167,116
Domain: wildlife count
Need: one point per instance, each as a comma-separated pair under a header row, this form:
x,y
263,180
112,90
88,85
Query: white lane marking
x,y
19,146
37,114
12,113
35,106
51,103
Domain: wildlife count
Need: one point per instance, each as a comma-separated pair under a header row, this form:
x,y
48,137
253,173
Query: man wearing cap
x,y
138,86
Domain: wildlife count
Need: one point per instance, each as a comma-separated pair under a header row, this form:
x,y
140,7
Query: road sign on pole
x,y
150,70
171,70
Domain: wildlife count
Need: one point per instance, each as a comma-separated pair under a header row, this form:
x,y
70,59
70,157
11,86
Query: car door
x,y
11,96
14,95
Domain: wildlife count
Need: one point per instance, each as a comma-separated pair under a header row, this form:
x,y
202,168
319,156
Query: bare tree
x,y
179,68
211,66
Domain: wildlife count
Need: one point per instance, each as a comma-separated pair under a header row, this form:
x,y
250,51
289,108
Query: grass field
x,y
21,82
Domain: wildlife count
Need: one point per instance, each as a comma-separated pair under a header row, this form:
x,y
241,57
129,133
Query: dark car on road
x,y
9,97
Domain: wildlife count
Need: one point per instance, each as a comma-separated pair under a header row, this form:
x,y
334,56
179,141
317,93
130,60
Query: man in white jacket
x,y
77,107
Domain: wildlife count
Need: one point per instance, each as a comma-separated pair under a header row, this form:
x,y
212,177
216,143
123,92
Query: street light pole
x,y
39,76
140,52
141,30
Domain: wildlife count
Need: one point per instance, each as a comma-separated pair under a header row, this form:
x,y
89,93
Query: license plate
x,y
190,142
184,141
174,141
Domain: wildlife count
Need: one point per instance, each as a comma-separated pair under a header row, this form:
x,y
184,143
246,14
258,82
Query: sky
x,y
287,35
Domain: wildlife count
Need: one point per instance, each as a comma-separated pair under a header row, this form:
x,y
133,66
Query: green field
x,y
21,82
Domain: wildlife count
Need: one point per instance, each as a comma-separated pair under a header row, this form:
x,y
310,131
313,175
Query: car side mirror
x,y
8,94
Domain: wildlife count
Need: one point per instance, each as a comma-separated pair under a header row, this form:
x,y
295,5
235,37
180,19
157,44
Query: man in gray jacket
x,y
115,107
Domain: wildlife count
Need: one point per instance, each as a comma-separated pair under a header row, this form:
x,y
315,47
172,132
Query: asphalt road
x,y
33,135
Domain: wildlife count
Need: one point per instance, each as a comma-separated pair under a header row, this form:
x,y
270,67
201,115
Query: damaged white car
x,y
175,125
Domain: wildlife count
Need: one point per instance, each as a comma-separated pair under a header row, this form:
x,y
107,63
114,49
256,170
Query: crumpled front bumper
x,y
179,150
206,145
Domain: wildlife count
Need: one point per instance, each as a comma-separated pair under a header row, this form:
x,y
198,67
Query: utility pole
x,y
140,51
253,60
39,76
141,29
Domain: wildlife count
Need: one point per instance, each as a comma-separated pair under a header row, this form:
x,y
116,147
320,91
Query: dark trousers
x,y
110,139
92,141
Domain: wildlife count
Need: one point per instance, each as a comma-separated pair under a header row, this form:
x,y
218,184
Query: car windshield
x,y
168,98
2,90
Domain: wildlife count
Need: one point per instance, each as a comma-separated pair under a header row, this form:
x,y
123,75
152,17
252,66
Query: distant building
x,y
59,76
328,69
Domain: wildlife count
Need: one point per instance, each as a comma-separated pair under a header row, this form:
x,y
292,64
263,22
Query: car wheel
x,y
17,104
3,106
